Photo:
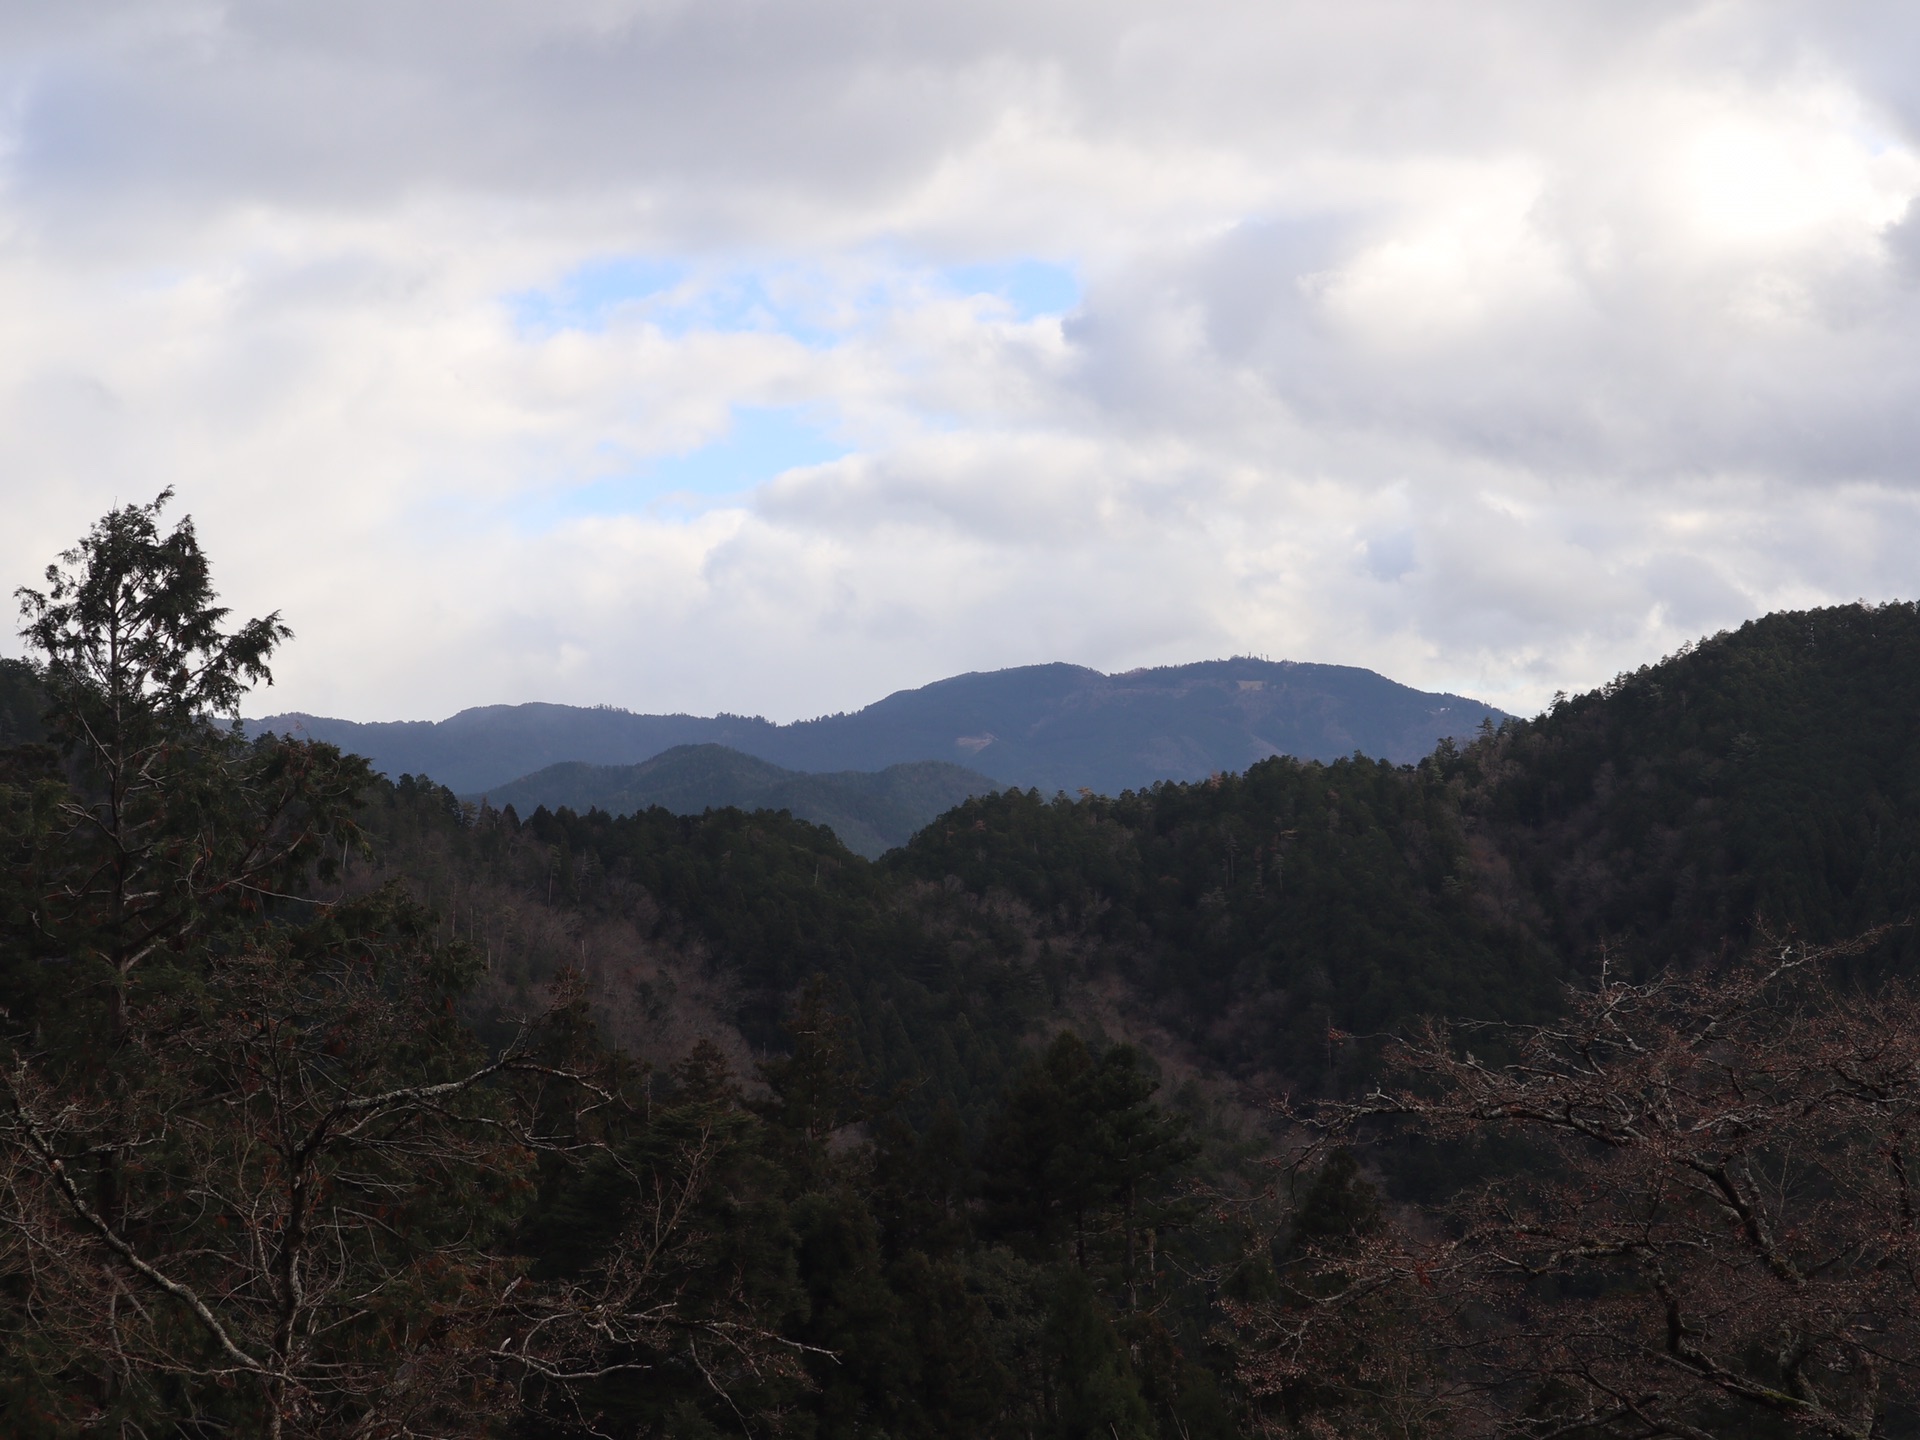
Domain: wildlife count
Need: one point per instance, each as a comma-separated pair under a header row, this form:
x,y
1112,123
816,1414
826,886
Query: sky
x,y
772,355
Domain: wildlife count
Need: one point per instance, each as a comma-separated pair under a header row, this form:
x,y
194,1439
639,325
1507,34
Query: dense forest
x,y
1323,1098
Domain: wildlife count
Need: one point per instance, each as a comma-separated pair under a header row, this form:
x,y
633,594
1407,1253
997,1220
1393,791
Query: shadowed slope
x,y
870,811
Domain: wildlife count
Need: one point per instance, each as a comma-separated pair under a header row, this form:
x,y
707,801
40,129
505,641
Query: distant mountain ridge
x,y
1051,727
869,812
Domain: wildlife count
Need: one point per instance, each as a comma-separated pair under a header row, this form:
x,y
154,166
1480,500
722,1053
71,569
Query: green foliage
x,y
1275,923
695,1146
172,828
778,900
254,1166
917,1324
816,1086
1095,1391
1338,1207
1078,1142
131,642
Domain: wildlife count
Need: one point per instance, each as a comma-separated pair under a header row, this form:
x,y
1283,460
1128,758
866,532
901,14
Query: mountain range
x,y
1046,727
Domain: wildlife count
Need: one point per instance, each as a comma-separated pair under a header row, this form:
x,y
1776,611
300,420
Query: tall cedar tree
x,y
1074,1151
174,825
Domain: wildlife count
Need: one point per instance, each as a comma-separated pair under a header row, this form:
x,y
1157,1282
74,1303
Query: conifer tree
x,y
174,824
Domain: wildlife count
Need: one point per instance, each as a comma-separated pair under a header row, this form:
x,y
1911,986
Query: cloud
x,y
766,357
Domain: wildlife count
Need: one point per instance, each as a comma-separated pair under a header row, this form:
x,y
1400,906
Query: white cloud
x,y
1495,346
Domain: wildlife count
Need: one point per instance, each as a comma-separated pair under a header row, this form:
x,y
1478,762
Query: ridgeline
x,y
1045,727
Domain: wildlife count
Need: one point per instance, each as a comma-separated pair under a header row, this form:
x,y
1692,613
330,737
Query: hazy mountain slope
x,y
488,746
1054,727
870,812
1057,727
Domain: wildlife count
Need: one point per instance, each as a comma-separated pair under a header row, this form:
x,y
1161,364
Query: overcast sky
x,y
769,357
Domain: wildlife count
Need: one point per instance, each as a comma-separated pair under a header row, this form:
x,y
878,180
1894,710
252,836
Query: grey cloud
x,y
363,104
1903,243
1651,380
829,104
1692,593
1389,557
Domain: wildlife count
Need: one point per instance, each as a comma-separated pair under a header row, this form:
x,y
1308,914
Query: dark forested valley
x,y
1558,1084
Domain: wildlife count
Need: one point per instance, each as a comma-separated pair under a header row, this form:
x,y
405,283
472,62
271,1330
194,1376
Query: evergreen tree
x,y
1132,1143
1094,1390
173,825
1040,1183
1079,1135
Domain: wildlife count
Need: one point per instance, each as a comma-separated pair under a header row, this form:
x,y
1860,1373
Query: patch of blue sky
x,y
778,301
780,298
1031,288
680,300
785,299
761,442
589,294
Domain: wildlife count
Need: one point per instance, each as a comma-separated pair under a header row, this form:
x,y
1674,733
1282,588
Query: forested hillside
x,y
337,1106
1770,776
869,811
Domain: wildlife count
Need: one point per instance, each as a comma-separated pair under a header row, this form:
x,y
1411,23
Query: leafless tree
x,y
316,1168
664,1296
1712,1233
